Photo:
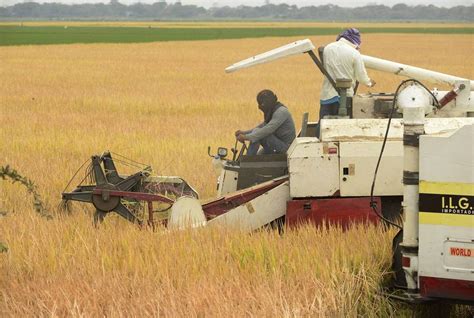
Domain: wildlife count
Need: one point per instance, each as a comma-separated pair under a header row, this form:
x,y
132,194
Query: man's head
x,y
352,35
266,99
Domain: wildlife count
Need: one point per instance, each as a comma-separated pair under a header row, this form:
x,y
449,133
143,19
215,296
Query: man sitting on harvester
x,y
277,131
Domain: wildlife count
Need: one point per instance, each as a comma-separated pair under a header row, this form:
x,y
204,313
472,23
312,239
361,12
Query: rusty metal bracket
x,y
320,65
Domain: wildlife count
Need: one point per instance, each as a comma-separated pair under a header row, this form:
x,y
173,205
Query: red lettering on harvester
x,y
456,251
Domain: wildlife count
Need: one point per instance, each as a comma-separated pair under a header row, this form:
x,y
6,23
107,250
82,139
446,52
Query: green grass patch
x,y
28,35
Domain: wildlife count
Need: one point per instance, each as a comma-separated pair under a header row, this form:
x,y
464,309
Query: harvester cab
x,y
243,171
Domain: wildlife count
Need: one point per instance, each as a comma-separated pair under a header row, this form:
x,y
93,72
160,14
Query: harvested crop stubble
x,y
163,103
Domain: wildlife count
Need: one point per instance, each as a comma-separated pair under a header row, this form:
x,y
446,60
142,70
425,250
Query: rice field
x,y
163,103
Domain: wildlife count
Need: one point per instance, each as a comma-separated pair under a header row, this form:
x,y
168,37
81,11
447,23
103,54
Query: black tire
x,y
399,274
392,209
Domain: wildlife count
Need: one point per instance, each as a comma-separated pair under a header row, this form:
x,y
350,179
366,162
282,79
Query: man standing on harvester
x,y
342,60
277,131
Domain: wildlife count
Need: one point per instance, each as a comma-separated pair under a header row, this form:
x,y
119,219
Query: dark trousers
x,y
271,144
326,110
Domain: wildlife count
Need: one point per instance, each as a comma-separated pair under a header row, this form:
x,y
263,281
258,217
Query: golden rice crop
x,y
67,267
163,104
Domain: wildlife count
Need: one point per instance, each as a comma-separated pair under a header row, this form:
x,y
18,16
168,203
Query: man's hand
x,y
241,138
238,132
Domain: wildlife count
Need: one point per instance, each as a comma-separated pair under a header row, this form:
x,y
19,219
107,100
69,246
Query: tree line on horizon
x,y
177,11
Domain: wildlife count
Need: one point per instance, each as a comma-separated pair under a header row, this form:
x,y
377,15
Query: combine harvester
x,y
407,154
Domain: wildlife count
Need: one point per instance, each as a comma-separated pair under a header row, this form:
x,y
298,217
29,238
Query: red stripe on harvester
x,y
340,211
434,287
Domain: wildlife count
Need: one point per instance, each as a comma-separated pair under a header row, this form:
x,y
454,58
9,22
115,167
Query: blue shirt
x,y
331,100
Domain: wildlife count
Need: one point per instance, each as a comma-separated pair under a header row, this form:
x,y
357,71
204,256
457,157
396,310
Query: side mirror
x,y
222,152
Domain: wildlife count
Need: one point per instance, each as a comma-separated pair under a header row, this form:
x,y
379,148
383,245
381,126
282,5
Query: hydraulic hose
x,y
373,203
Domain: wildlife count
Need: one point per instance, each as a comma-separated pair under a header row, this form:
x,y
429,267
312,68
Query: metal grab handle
x,y
244,148
304,125
234,150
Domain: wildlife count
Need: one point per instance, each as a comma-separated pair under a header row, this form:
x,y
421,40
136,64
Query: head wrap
x,y
267,103
352,35
266,98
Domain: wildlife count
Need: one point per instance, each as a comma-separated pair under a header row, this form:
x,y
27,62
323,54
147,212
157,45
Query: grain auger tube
x,y
375,105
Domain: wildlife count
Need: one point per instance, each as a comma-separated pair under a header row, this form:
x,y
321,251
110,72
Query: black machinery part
x,y
399,279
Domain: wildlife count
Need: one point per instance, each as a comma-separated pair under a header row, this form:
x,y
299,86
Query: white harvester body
x,y
446,214
331,175
257,212
344,160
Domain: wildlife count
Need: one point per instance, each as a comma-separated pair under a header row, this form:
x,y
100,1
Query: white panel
x,y
227,182
374,129
314,172
448,157
299,147
256,213
435,256
447,251
441,125
458,255
360,129
360,160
